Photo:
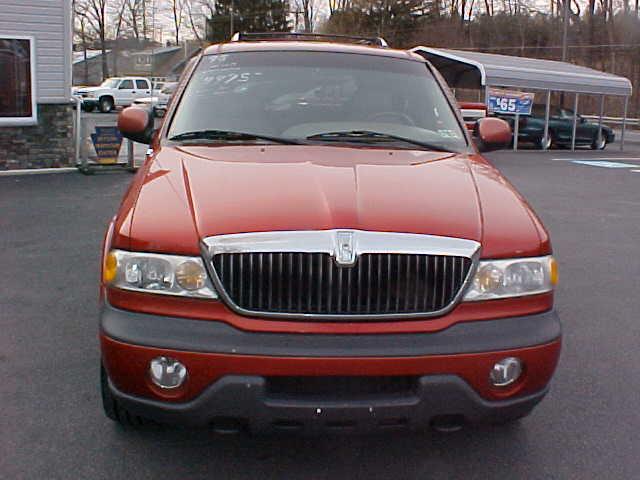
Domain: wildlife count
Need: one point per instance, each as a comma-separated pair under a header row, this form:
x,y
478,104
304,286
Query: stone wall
x,y
47,144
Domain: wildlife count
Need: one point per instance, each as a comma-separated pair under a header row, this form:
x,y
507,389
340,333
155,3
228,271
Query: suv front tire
x,y
112,409
106,104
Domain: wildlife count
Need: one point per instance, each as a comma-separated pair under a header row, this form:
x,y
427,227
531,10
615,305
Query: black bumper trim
x,y
244,400
219,337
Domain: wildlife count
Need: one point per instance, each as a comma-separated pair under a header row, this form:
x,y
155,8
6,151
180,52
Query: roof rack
x,y
283,36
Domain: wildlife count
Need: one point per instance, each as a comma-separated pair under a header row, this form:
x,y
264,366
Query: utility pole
x,y
565,31
153,41
231,32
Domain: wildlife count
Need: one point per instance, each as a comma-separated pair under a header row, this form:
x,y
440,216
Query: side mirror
x,y
136,124
492,134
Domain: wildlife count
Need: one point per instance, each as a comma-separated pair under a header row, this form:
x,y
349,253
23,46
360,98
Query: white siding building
x,y
35,84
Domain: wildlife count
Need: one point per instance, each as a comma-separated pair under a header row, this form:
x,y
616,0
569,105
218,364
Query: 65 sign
x,y
509,102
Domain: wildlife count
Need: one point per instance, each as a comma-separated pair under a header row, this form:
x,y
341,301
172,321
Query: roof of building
x,y
158,50
464,69
78,57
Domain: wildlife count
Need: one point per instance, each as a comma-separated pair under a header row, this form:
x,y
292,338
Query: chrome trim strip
x,y
326,241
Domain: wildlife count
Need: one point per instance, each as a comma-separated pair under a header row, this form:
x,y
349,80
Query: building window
x,y
142,62
17,85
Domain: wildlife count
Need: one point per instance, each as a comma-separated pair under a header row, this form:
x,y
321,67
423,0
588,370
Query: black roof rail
x,y
281,36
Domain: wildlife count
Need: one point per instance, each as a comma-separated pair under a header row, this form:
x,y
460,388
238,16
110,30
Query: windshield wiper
x,y
229,136
366,136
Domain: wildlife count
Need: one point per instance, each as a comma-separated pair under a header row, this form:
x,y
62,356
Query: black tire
x,y
599,145
88,108
106,104
113,410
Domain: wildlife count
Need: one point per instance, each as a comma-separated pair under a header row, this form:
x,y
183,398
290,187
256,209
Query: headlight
x,y
156,273
513,278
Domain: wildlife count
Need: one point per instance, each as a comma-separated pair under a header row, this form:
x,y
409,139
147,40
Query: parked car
x,y
315,243
158,103
158,85
114,92
531,129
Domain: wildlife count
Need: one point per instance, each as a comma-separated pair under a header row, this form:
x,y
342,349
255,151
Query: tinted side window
x,y
126,85
142,84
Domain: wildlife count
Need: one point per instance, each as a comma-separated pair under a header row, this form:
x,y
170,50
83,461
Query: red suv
x,y
314,243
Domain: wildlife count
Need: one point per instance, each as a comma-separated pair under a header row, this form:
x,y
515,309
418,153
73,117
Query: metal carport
x,y
475,70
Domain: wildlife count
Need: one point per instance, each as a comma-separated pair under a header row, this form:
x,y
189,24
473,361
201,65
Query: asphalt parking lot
x,y
52,426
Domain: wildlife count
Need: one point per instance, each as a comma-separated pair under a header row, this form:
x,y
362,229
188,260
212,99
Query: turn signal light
x,y
110,268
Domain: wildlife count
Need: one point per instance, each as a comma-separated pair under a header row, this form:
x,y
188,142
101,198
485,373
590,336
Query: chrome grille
x,y
313,284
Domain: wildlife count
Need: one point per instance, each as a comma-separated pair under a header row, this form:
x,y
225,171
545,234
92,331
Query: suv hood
x,y
194,192
89,89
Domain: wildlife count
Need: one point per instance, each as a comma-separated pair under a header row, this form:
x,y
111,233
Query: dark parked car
x,y
531,129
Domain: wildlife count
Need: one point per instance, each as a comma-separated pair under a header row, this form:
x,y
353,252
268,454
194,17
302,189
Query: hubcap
x,y
546,143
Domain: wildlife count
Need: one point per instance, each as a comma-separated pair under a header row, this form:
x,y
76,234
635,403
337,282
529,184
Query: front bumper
x,y
244,402
230,372
90,101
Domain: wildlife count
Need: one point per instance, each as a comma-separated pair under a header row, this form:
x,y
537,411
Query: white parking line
x,y
607,159
603,164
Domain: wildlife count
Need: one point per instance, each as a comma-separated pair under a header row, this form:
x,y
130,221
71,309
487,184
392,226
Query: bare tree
x,y
135,17
177,13
80,29
309,10
118,14
488,4
96,15
339,5
195,9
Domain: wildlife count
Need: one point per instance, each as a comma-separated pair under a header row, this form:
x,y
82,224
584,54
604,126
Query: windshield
x,y
110,83
297,95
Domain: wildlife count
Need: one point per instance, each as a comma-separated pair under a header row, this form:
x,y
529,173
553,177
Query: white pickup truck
x,y
114,92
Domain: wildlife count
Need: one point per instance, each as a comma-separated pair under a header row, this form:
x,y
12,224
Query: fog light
x,y
167,372
506,372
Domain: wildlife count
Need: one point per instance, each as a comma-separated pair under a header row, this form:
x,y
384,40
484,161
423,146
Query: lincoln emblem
x,y
345,253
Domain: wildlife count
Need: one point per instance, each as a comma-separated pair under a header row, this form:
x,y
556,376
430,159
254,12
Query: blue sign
x,y
509,102
107,142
